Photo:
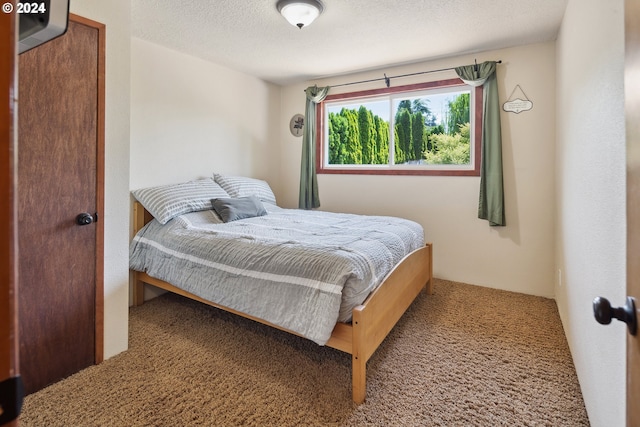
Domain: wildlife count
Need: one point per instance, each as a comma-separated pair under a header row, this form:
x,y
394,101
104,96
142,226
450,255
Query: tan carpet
x,y
465,356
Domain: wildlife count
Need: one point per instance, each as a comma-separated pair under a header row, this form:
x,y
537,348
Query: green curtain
x,y
309,197
491,200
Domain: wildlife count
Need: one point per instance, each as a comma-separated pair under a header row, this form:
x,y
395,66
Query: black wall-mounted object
x,y
40,21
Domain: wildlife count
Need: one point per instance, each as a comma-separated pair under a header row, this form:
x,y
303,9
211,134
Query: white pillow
x,y
168,201
240,186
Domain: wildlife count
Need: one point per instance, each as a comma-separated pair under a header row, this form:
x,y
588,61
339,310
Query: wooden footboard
x,y
372,321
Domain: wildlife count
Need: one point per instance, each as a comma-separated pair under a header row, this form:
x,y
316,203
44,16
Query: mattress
x,y
301,270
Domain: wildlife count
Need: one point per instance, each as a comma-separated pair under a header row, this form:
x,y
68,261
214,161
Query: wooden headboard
x,y
140,216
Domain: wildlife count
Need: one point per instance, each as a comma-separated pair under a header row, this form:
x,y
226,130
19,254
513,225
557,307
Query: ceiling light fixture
x,y
300,13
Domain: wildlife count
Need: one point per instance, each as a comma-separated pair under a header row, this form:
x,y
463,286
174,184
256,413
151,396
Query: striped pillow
x,y
168,201
240,186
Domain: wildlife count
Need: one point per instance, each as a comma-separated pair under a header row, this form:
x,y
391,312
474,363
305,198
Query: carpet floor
x,y
464,356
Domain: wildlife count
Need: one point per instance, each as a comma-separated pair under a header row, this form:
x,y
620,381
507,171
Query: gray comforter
x,y
301,270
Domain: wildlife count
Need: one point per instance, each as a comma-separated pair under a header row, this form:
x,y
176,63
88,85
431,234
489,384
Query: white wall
x,y
590,169
518,257
116,15
191,118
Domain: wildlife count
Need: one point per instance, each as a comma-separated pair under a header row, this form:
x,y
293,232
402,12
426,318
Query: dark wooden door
x,y
632,111
59,178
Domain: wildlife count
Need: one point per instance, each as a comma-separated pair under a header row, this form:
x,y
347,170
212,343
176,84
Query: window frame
x,y
399,169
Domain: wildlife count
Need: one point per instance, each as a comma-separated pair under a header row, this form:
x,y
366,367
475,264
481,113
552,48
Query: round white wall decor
x,y
296,125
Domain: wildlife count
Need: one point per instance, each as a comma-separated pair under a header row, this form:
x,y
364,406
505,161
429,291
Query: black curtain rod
x,y
387,80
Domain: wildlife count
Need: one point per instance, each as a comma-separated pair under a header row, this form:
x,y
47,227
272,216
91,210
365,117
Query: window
x,y
424,129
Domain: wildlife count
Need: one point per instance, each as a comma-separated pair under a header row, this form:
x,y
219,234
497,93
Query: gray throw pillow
x,y
232,209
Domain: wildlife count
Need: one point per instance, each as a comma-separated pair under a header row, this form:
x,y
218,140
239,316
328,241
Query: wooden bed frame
x,y
371,322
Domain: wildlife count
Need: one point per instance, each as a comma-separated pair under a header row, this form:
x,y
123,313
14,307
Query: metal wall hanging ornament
x,y
517,105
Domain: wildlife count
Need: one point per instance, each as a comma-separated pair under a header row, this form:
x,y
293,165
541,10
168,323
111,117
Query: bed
x,y
349,302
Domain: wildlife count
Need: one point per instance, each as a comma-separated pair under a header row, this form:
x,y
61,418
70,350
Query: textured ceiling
x,y
351,35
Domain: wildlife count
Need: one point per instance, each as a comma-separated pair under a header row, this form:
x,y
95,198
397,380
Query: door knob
x,y
84,219
603,313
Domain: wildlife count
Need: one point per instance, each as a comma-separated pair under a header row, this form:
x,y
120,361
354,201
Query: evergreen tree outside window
x,y
425,129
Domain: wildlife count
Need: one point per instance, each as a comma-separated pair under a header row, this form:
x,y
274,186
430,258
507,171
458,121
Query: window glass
x,y
419,129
